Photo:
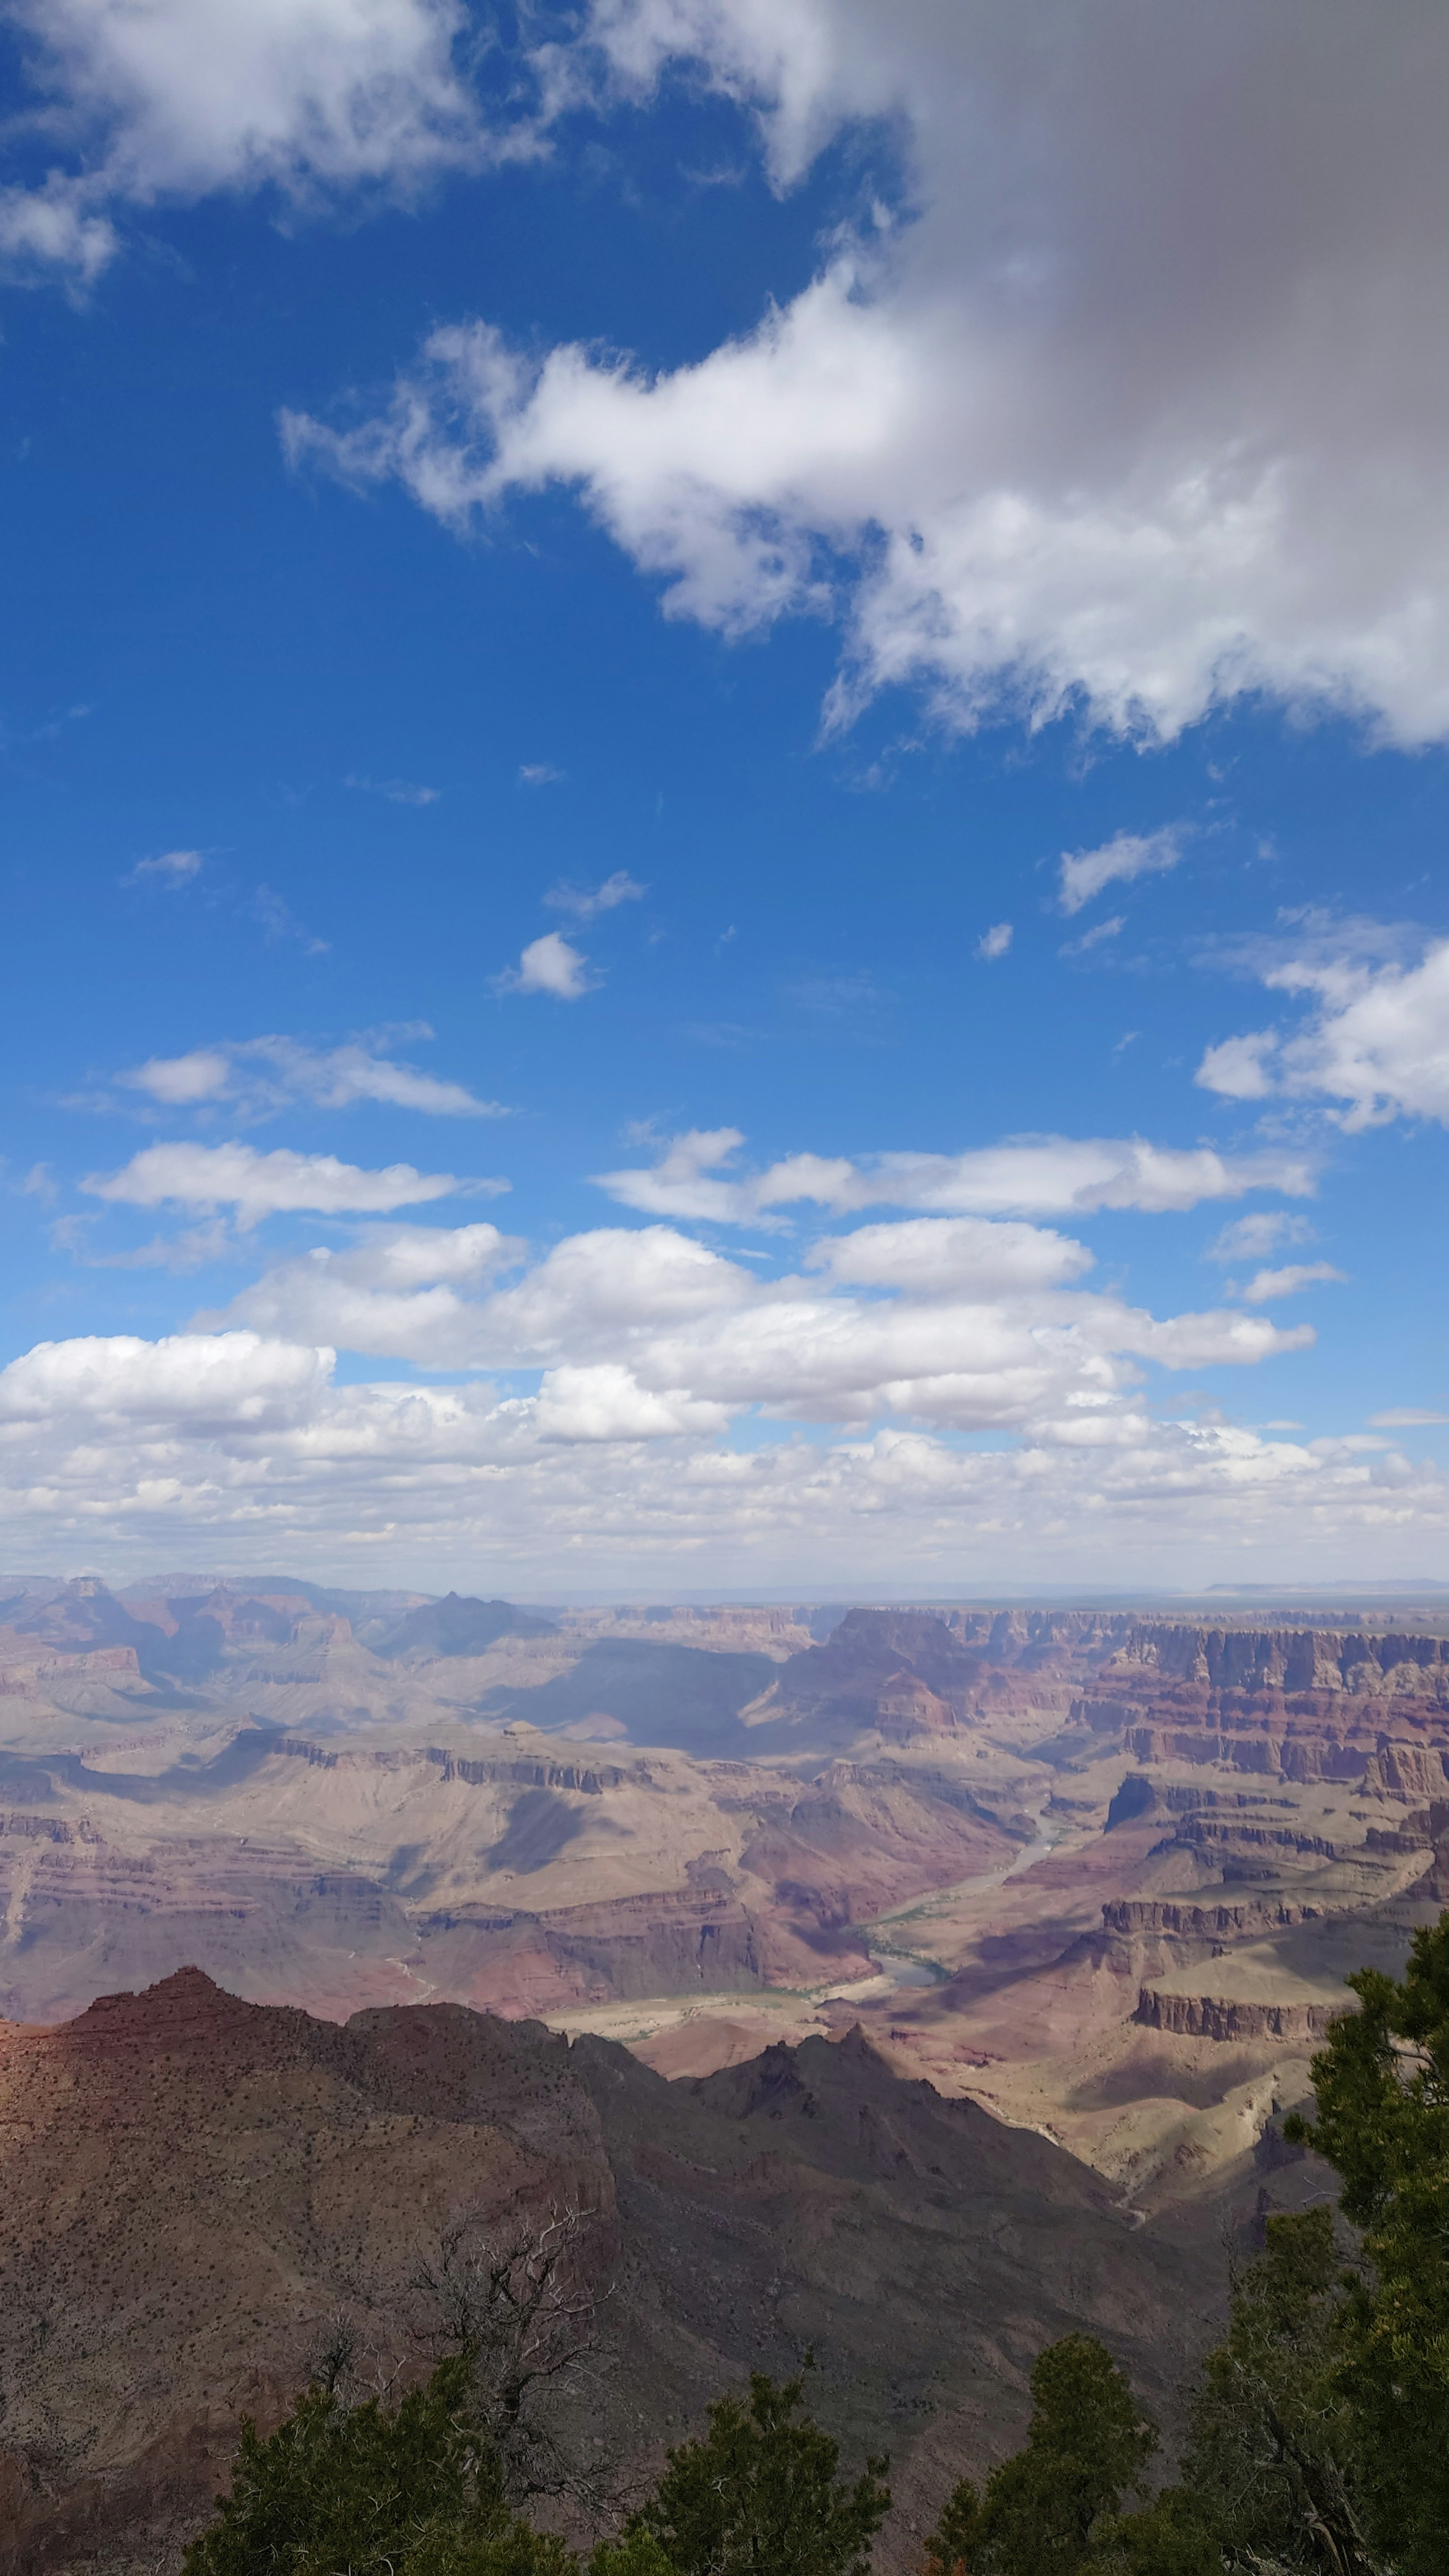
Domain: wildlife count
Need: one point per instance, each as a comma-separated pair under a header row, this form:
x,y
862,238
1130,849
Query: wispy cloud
x,y
539,773
191,97
171,868
398,791
257,1077
1287,1282
995,941
260,1185
1253,1237
1026,1175
279,923
584,902
1096,937
1083,873
550,965
194,1248
1375,1043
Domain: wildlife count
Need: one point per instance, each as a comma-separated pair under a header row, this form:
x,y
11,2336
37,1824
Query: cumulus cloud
x,y
247,1446
549,965
995,941
1130,854
583,901
401,1292
259,1076
964,1324
1138,408
185,97
608,1403
1375,1042
189,1382
942,1256
261,1185
1031,1175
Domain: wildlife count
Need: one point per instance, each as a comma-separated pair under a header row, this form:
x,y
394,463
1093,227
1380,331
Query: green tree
x,y
1087,2444
758,2496
1274,2442
1269,2480
1382,2092
373,2490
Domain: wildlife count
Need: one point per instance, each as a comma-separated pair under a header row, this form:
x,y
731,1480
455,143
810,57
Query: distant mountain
x,y
459,1625
901,1672
249,2183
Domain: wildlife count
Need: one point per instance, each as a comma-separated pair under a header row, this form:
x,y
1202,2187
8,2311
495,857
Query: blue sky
x,y
750,577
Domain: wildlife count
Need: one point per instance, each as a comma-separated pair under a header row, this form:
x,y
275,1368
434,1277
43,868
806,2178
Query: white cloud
x,y
180,98
606,1402
1238,1068
1286,1282
260,1185
172,868
1375,1043
1137,410
1032,1176
180,1081
130,1452
48,230
995,941
936,1256
278,921
584,902
549,965
399,1291
965,1324
1252,1238
259,1076
1405,1417
1094,938
398,791
188,1381
1131,854
539,773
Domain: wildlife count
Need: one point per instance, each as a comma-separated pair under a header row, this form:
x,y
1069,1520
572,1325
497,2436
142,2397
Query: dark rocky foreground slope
x,y
195,2192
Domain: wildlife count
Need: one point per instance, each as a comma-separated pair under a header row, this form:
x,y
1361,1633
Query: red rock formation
x,y
1299,1706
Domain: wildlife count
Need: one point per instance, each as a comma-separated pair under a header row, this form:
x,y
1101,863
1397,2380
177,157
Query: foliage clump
x,y
412,2489
1382,2092
1088,2443
758,2496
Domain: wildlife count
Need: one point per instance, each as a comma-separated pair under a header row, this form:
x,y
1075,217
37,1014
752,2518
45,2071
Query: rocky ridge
x,y
200,2193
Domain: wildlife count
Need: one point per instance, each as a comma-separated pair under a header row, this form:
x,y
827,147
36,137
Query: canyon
x,y
204,2198
949,1964
1100,1871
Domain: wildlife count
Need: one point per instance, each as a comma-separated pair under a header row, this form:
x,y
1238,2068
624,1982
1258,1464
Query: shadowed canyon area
x,y
943,1964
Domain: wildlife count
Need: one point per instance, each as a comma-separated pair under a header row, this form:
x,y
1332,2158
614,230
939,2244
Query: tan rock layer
x,y
1216,2017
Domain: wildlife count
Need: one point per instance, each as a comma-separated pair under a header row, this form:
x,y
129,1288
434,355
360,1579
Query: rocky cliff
x,y
1370,1711
200,2193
